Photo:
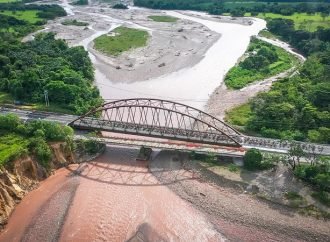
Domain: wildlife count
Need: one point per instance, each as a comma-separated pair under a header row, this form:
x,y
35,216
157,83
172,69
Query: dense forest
x,y
297,107
45,11
306,42
44,64
217,7
19,28
28,69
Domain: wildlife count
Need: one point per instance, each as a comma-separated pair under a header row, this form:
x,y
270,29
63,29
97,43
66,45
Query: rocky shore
x,y
236,213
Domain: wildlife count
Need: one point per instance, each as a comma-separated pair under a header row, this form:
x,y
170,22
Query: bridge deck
x,y
171,145
271,145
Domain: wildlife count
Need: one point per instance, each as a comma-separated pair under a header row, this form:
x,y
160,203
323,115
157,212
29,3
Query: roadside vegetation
x,y
312,169
163,18
254,160
261,60
18,139
74,22
123,39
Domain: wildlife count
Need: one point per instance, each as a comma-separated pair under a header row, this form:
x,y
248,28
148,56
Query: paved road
x,y
271,145
33,115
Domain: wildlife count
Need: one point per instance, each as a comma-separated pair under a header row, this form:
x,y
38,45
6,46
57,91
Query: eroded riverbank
x,y
171,198
113,198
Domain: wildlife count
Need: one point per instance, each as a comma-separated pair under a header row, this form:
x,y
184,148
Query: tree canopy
x,y
28,69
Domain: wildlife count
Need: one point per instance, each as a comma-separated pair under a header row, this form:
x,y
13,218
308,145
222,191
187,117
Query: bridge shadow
x,y
118,166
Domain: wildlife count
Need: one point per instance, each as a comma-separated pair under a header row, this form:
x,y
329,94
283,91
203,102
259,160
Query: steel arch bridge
x,y
158,118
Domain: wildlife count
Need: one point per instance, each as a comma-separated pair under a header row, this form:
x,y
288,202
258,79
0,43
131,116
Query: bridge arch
x,y
158,118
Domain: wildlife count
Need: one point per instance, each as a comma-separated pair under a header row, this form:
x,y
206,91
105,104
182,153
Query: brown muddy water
x,y
114,198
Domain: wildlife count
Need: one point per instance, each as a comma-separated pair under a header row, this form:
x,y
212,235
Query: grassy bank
x,y
159,18
11,147
123,40
255,66
6,98
303,21
239,115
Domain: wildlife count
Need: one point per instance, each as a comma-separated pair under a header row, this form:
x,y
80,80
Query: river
x,y
115,198
196,82
192,85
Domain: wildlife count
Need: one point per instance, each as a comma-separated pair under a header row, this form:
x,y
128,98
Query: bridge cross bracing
x,y
158,118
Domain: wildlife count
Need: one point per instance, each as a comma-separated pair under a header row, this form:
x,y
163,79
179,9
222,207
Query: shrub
x,y
43,153
119,6
317,175
322,180
233,168
253,159
9,122
292,195
52,131
323,197
89,146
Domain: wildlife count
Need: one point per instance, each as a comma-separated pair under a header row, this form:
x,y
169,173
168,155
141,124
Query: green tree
x,y
295,154
9,122
252,159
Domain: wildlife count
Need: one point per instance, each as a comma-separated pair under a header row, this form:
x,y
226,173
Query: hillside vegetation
x,y
261,60
28,69
295,108
238,8
18,138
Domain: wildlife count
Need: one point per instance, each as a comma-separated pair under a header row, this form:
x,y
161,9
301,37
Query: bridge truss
x,y
158,118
